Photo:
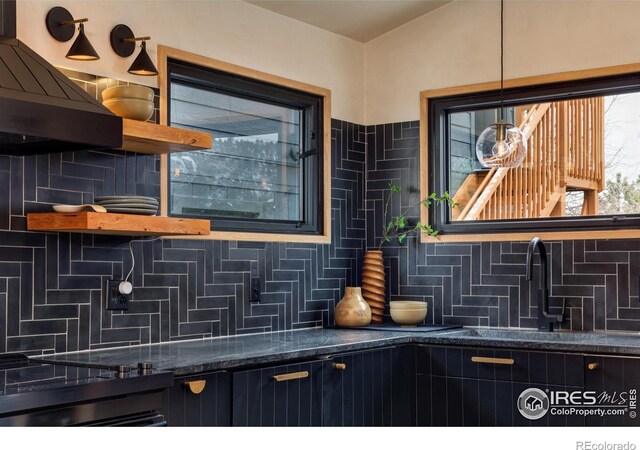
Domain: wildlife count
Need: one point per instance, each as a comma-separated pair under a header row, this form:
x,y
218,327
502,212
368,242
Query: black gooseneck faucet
x,y
546,320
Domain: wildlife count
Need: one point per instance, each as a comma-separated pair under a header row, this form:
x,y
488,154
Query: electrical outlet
x,y
255,290
115,300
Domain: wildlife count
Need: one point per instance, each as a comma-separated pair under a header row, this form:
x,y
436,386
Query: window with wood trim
x,y
265,174
581,173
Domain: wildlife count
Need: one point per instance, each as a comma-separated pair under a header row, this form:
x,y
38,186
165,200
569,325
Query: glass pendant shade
x,y
143,65
82,50
501,144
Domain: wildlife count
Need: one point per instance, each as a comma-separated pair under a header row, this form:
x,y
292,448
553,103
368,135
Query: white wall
x,y
458,44
232,31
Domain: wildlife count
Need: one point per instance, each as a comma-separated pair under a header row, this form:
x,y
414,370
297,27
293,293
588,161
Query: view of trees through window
x,y
583,160
254,168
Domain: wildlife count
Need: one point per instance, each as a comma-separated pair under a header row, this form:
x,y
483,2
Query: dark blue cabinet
x,y
615,382
480,387
367,388
287,395
372,388
199,401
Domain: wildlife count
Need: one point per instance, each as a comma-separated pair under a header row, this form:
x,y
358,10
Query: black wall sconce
x,y
123,42
60,24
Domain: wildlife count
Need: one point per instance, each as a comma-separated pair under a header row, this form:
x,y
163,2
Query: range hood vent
x,y
41,110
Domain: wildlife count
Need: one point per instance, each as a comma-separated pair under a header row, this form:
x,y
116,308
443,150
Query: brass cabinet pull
x,y
484,359
196,386
592,366
291,376
339,366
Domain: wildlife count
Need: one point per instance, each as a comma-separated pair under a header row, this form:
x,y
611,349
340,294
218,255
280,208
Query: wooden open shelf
x,y
146,137
117,224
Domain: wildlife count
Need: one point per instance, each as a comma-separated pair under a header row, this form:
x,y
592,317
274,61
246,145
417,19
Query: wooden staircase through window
x,y
565,153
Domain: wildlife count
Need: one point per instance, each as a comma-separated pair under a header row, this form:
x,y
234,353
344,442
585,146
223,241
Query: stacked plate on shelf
x,y
128,204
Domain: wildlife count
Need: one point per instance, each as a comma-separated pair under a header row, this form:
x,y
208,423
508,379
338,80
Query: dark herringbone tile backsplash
x,y
483,284
52,284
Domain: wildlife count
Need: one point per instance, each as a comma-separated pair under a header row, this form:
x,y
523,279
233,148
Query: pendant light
x,y
60,24
501,144
123,42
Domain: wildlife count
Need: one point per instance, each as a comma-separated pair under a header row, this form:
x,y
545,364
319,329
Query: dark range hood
x,y
41,110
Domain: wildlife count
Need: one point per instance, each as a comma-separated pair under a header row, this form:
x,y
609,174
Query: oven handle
x,y
153,419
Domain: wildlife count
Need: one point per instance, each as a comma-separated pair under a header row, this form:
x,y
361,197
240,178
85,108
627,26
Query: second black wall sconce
x,y
123,42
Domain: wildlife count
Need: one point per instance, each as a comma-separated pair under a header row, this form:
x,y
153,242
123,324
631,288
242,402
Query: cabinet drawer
x,y
288,395
199,401
502,365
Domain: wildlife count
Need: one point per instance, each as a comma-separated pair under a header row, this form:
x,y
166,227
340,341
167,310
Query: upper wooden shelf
x,y
117,224
146,137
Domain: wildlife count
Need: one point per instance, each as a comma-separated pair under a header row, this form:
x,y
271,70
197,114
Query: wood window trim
x,y
164,54
426,95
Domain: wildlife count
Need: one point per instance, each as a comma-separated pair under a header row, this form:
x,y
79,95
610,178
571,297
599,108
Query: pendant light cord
x,y
502,60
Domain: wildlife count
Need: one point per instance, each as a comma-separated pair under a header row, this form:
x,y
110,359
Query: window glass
x,y
254,169
583,160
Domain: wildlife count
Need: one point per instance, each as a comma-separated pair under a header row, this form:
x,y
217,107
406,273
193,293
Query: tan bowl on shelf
x,y
139,92
130,108
408,317
407,304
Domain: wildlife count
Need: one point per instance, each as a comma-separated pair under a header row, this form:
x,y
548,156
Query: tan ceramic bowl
x,y
130,108
408,304
139,92
408,317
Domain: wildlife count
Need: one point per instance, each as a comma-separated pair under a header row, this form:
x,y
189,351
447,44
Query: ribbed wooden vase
x,y
373,285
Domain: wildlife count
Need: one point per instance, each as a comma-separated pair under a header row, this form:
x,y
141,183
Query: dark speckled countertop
x,y
205,355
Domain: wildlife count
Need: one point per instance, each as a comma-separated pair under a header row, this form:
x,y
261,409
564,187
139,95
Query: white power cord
x,y
125,287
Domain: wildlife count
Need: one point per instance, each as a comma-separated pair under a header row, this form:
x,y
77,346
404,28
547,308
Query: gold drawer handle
x,y
291,376
340,366
486,360
196,386
592,366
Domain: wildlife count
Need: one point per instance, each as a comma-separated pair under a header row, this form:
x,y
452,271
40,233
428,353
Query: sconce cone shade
x,y
501,144
143,64
82,50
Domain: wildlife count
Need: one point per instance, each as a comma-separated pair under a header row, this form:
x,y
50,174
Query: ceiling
x,y
361,20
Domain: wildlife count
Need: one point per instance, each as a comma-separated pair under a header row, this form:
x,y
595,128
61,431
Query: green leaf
x,y
402,237
388,227
426,203
401,222
394,187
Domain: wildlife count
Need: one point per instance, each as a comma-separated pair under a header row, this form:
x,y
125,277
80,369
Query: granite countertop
x,y
205,355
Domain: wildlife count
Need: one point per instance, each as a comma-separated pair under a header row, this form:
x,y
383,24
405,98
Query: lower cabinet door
x,y
615,383
371,388
487,387
448,401
288,395
199,401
